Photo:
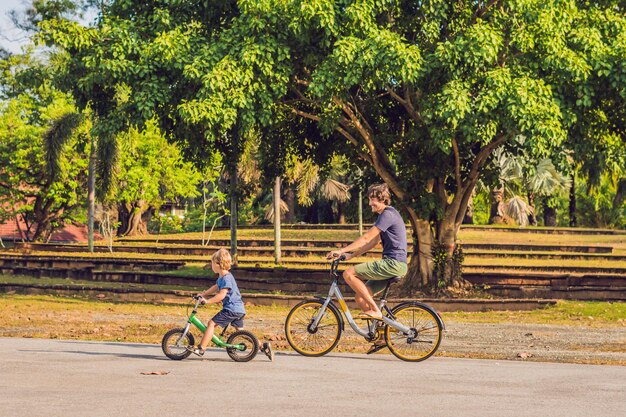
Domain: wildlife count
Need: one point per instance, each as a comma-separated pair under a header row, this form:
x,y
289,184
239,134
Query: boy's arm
x,y
210,291
221,294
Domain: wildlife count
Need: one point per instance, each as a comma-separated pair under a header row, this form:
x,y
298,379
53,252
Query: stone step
x,y
74,262
288,251
354,226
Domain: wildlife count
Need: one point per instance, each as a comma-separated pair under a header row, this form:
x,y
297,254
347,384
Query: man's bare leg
x,y
363,296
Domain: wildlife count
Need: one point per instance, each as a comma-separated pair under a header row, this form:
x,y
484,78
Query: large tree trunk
x,y
43,218
419,274
532,219
549,216
341,212
290,199
131,219
42,232
496,213
573,222
123,214
469,215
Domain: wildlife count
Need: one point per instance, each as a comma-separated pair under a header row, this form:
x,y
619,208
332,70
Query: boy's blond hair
x,y
223,259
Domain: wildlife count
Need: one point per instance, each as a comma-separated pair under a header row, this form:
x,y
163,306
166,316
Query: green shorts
x,y
378,272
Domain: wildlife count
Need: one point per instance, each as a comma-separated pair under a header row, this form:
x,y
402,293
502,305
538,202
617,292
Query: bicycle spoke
x,y
420,345
312,342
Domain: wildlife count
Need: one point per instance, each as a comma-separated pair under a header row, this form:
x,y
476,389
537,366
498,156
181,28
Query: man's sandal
x,y
378,345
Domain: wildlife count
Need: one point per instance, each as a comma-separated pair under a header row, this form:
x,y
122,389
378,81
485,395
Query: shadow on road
x,y
82,352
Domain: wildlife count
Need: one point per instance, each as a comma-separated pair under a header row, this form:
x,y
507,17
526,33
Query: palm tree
x,y
517,177
546,182
102,160
304,175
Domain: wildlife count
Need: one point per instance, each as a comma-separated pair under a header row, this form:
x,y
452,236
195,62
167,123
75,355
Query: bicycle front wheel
x,y
174,345
305,339
424,338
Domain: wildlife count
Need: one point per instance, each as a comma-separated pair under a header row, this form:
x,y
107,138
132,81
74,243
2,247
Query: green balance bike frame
x,y
241,346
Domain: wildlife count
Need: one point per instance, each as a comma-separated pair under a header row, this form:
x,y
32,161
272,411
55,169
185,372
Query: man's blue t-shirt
x,y
392,234
232,302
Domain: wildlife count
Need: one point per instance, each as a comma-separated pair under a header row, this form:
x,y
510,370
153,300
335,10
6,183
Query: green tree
x,y
421,92
44,193
151,170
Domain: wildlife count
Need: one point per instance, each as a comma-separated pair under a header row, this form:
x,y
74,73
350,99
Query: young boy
x,y
227,292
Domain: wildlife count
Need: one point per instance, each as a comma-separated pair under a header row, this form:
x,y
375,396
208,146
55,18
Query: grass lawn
x,y
464,236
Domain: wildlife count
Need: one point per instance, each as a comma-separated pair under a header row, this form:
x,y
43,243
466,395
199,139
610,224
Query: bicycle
x,y
412,330
241,345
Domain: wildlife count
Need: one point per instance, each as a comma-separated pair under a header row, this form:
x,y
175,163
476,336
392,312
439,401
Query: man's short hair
x,y
380,192
223,259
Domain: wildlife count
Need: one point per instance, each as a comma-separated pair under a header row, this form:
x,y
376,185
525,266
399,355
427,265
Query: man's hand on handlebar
x,y
335,254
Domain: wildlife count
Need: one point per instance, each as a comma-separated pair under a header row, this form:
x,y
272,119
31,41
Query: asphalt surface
x,y
68,378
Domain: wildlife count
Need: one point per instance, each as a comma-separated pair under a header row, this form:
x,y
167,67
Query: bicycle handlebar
x,y
335,263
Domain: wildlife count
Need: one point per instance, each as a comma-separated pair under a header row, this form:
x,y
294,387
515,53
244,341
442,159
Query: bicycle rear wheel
x,y
426,333
249,342
308,341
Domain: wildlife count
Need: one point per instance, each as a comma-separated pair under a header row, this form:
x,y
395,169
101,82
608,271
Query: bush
x,y
165,223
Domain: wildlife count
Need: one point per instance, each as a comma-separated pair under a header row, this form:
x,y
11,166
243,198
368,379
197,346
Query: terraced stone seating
x,y
32,262
261,248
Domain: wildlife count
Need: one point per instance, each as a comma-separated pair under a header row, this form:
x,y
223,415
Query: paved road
x,y
67,378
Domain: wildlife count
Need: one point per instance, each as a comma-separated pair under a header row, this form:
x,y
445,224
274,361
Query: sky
x,y
11,38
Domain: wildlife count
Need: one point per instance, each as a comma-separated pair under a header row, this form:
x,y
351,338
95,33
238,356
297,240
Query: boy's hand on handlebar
x,y
200,297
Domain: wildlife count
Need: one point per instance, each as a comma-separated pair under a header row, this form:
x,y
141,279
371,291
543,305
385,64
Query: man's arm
x,y
359,246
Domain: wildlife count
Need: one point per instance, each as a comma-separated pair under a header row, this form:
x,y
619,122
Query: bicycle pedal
x,y
375,349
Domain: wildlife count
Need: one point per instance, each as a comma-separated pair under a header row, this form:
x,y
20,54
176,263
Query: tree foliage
x,y
422,92
45,195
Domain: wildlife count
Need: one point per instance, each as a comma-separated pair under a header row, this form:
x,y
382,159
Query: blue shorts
x,y
225,317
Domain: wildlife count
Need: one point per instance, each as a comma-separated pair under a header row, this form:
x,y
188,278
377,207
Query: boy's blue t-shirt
x,y
392,234
232,302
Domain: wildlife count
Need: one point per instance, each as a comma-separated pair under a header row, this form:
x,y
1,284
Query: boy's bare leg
x,y
208,335
363,296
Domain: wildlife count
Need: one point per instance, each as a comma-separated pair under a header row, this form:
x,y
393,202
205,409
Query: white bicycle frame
x,y
336,292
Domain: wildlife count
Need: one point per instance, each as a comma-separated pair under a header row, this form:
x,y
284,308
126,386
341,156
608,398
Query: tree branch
x,y
341,131
457,163
405,102
480,11
461,198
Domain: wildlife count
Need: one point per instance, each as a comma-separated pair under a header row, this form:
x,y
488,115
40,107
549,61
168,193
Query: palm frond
x,y
547,180
334,190
307,181
519,210
511,168
338,166
269,211
106,165
248,166
55,139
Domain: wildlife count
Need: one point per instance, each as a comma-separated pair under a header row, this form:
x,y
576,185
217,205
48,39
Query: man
x,y
390,229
